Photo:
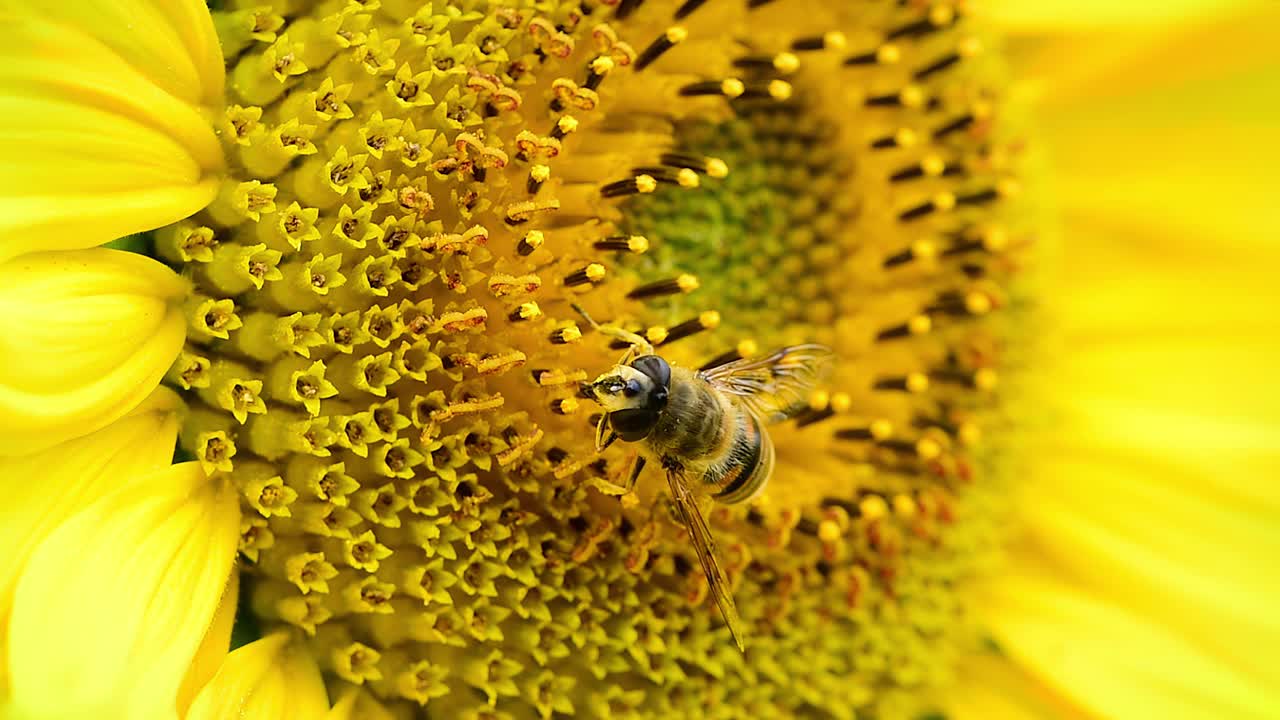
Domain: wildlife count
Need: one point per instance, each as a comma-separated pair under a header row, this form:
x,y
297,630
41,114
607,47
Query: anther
x,y
709,166
686,9
973,302
984,379
730,88
886,54
783,63
914,383
565,406
991,240
625,8
636,244
924,448
566,335
981,197
596,71
937,66
566,125
538,175
673,36
919,250
930,166
641,184
684,177
940,16
879,430
779,90
834,40
522,212
525,311
960,123
745,348
942,202
918,325
903,138
592,273
708,320
910,96
530,242
822,406
684,283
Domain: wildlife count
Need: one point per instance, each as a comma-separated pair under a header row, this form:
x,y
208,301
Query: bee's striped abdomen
x,y
748,465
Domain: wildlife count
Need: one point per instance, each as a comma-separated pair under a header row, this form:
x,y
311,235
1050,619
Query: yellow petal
x,y
214,647
1143,582
992,687
102,131
1165,134
1019,15
73,476
84,336
267,679
171,42
1115,662
114,604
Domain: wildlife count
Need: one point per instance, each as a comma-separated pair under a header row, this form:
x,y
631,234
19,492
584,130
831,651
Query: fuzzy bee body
x,y
711,438
705,428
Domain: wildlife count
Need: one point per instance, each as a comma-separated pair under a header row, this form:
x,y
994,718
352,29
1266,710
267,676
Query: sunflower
x,y
342,254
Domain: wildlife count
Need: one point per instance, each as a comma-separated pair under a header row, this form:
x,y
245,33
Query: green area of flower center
x,y
749,237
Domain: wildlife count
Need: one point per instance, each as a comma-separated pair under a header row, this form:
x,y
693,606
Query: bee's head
x,y
633,395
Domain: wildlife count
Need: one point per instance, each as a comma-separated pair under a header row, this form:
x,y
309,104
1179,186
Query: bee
x,y
707,429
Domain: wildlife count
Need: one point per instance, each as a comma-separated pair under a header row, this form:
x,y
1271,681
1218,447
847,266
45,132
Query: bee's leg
x,y
603,442
638,344
636,468
612,488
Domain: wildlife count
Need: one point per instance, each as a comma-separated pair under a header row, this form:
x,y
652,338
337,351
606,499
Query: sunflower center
x,y
385,352
761,240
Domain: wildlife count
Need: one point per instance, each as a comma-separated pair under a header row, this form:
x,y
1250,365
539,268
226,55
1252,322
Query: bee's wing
x,y
706,549
776,386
